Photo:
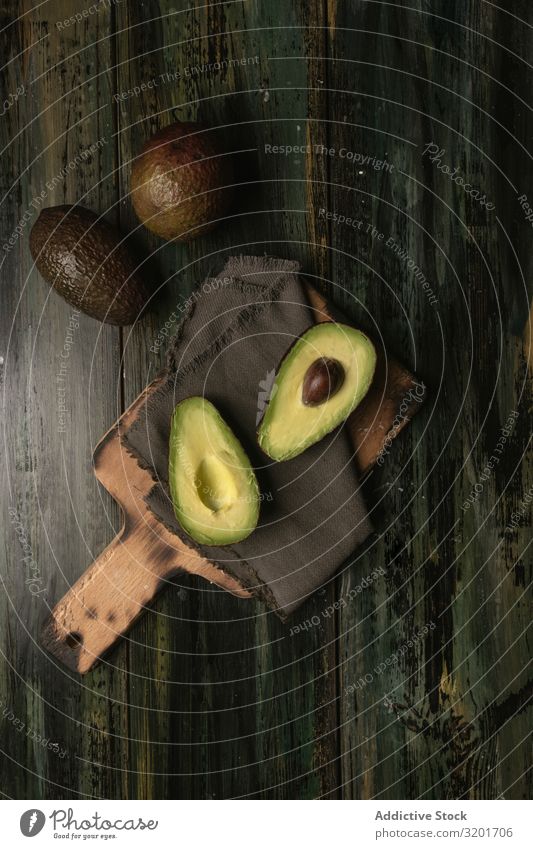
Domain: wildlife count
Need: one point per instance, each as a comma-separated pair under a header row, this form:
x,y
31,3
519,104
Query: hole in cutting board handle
x,y
74,639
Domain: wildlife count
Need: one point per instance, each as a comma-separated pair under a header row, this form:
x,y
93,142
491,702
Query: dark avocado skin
x,y
181,182
81,257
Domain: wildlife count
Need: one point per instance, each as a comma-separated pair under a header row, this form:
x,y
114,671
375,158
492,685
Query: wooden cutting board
x,y
116,589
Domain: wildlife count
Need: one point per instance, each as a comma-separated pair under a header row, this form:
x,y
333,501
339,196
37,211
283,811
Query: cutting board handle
x,y
98,608
115,590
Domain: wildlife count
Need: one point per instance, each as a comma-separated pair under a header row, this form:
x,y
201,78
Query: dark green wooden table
x,y
417,686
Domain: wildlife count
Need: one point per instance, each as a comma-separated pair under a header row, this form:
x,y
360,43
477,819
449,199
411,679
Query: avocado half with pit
x,y
321,380
212,483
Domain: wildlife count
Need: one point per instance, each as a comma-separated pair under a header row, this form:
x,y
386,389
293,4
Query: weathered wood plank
x,y
257,734
59,148
437,716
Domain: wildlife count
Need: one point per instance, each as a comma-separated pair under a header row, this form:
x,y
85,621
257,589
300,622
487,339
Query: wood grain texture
x,y
423,716
200,702
62,513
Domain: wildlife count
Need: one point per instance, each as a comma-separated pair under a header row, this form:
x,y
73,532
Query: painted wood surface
x,y
415,685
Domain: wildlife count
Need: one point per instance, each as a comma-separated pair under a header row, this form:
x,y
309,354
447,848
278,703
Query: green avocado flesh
x,y
213,486
290,425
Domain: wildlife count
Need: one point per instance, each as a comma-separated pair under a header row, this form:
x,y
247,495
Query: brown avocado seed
x,y
322,381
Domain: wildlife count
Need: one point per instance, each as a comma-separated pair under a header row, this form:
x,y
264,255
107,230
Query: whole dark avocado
x,y
82,257
182,182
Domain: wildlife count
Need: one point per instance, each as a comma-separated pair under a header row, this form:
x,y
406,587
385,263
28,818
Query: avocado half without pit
x,y
321,380
213,486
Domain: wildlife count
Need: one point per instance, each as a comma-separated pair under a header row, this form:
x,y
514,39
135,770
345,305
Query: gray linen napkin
x,y
236,330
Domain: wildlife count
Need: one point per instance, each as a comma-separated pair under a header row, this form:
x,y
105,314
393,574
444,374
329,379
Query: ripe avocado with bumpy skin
x,y
321,380
214,489
83,258
181,183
